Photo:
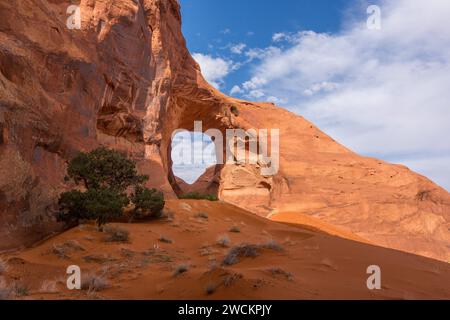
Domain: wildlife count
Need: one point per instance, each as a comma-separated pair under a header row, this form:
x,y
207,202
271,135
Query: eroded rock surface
x,y
126,80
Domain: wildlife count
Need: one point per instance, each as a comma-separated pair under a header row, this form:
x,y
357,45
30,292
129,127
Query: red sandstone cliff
x,y
127,80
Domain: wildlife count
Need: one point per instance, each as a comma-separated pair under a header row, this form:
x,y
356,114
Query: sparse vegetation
x,y
234,110
223,241
235,229
101,259
199,196
237,252
165,239
230,279
116,234
93,282
272,245
280,272
147,202
202,215
63,250
181,268
106,176
210,288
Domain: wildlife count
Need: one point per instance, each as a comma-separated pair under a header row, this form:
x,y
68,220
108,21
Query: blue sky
x,y
214,26
382,92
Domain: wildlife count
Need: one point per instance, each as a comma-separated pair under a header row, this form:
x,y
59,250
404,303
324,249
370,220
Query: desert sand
x,y
297,263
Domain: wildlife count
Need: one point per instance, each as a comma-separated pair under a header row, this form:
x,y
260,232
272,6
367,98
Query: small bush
x,y
235,229
210,288
148,203
202,215
181,268
272,245
93,282
223,241
241,251
107,176
234,110
199,196
102,205
280,272
116,234
63,250
230,279
165,239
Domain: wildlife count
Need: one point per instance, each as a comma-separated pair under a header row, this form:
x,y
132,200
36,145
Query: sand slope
x,y
311,264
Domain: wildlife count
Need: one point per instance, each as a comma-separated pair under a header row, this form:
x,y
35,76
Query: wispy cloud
x,y
214,69
381,92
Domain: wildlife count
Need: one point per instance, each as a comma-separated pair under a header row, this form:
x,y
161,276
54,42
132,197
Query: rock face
x,y
126,80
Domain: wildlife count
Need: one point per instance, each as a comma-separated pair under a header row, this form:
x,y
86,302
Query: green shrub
x,y
101,205
199,196
104,168
234,110
147,202
107,177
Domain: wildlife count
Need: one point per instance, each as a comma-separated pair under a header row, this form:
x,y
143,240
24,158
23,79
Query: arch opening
x,y
194,163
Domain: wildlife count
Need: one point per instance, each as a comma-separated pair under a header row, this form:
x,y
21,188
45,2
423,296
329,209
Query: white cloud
x,y
257,53
213,69
278,37
236,90
320,87
383,92
238,48
225,31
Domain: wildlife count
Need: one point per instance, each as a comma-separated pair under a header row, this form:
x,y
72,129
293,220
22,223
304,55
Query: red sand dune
x,y
310,265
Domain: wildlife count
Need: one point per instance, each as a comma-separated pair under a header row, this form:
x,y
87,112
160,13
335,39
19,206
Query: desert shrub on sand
x,y
63,250
202,215
116,234
210,288
147,203
272,245
231,278
240,251
181,268
164,239
275,271
199,196
223,241
235,229
93,282
106,177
